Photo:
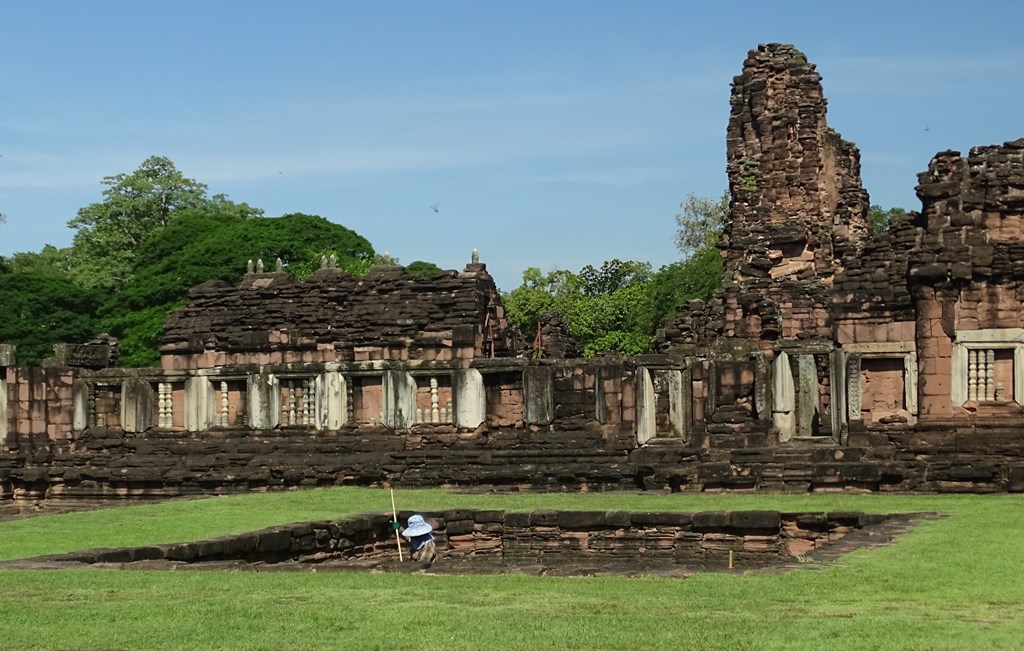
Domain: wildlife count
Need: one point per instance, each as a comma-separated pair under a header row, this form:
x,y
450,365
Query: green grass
x,y
954,583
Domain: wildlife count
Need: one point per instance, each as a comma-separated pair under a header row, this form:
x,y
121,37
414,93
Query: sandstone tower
x,y
798,207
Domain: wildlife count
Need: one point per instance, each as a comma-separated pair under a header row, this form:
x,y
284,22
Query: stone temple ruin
x,y
831,358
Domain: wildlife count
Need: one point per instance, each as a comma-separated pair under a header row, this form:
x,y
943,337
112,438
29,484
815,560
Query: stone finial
x,y
332,261
323,262
249,268
475,257
259,265
278,265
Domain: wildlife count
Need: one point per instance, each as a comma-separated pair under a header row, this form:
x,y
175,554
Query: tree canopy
x,y
201,246
700,223
879,217
110,232
38,310
617,307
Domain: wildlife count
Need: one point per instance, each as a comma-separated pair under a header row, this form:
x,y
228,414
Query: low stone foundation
x,y
541,542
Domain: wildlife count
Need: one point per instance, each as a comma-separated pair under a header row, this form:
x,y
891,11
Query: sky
x,y
549,134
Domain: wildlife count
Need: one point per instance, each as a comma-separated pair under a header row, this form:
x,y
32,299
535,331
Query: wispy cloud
x,y
626,177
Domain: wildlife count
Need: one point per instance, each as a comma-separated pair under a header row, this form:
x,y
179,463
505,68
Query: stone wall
x,y
829,359
477,540
389,314
968,283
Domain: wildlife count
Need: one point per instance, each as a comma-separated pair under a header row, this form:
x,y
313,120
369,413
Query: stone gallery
x,y
831,357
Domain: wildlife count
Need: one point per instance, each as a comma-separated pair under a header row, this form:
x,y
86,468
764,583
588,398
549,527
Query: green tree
x,y
50,261
612,276
603,307
202,245
423,268
672,285
110,232
40,310
879,218
700,222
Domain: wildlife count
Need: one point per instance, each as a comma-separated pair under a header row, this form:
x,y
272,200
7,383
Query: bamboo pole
x,y
394,516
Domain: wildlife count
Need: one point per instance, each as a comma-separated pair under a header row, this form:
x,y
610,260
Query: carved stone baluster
x,y
162,406
435,415
170,405
224,419
291,402
419,414
160,409
350,403
304,403
989,375
972,375
91,417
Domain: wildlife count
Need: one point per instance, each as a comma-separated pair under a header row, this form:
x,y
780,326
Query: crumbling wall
x,y
798,209
967,279
388,314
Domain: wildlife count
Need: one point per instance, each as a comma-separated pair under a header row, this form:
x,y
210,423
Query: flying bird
x,y
436,206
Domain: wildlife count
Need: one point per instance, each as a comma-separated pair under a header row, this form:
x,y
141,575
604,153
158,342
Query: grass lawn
x,y
954,583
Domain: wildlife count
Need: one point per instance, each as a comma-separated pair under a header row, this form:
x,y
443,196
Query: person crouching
x,y
421,541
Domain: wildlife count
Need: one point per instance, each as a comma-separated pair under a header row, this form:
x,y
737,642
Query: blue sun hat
x,y
417,527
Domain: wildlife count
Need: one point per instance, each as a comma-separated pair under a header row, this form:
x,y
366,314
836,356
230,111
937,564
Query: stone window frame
x,y
905,350
679,390
986,339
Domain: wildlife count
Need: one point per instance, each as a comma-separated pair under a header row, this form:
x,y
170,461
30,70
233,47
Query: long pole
x,y
394,517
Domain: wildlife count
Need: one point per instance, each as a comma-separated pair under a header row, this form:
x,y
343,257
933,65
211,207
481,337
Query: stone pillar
x,y
538,395
331,400
1018,375
399,389
136,405
807,410
680,403
3,405
6,359
910,381
762,387
958,375
263,402
199,403
81,397
837,391
854,398
783,397
646,407
470,398
600,404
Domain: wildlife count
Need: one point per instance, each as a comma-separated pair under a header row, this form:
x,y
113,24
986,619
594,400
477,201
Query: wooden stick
x,y
394,515
730,559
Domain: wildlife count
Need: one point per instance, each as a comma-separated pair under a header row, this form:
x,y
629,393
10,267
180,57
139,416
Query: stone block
x,y
755,520
710,520
7,355
660,519
458,527
581,520
518,519
274,540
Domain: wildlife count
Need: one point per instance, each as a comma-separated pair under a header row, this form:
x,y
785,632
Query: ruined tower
x,y
798,207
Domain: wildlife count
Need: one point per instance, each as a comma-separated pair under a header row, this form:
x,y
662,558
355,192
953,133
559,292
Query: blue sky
x,y
551,134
